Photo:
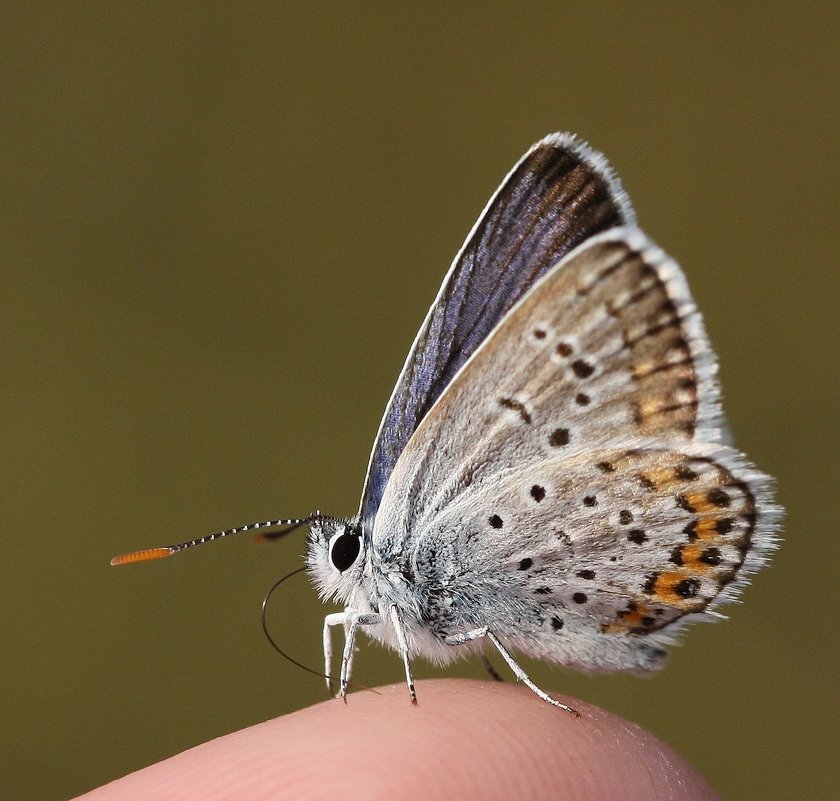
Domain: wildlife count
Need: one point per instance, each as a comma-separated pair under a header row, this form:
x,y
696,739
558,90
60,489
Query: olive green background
x,y
221,226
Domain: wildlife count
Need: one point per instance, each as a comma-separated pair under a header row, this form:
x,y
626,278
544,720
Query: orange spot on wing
x,y
706,529
665,583
634,617
660,477
677,588
649,408
691,557
699,502
638,618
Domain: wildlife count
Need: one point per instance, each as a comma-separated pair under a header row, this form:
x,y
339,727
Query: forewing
x,y
559,194
606,350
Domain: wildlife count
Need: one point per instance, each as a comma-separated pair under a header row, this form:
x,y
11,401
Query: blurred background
x,y
221,227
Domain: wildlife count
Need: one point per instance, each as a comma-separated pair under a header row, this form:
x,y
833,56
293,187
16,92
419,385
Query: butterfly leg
x,y
477,634
399,630
335,619
348,670
355,620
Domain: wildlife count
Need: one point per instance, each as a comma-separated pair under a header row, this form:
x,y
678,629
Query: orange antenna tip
x,y
168,550
142,556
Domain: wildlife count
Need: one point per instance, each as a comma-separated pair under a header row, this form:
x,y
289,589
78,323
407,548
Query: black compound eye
x,y
344,550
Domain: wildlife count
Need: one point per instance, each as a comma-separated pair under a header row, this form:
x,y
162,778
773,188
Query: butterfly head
x,y
337,556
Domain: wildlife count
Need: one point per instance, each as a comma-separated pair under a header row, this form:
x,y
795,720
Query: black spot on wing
x,y
559,437
582,368
516,406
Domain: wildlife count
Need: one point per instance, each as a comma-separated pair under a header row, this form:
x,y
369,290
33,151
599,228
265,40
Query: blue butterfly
x,y
551,475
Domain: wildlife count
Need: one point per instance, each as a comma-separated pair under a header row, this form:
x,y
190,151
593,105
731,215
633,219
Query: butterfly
x,y
552,475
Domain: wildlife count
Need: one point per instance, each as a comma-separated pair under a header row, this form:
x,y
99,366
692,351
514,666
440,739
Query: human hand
x,y
464,740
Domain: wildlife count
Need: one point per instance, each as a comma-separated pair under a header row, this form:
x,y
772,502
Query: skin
x,y
464,739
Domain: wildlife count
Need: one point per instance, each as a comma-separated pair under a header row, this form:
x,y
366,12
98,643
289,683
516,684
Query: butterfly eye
x,y
344,550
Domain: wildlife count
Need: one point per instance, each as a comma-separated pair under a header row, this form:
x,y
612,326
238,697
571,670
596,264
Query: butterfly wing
x,y
558,195
605,349
597,560
590,397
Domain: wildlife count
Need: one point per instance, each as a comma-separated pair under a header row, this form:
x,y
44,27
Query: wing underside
x,y
573,470
560,194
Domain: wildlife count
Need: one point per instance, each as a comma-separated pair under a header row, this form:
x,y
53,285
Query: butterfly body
x,y
552,467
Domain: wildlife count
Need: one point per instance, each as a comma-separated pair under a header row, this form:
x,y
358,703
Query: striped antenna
x,y
169,550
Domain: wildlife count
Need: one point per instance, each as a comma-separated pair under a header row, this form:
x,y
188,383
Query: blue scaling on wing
x,y
559,194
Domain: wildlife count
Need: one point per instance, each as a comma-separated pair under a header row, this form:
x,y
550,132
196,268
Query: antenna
x,y
168,550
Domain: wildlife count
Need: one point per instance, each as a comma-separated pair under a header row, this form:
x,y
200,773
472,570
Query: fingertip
x,y
462,739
